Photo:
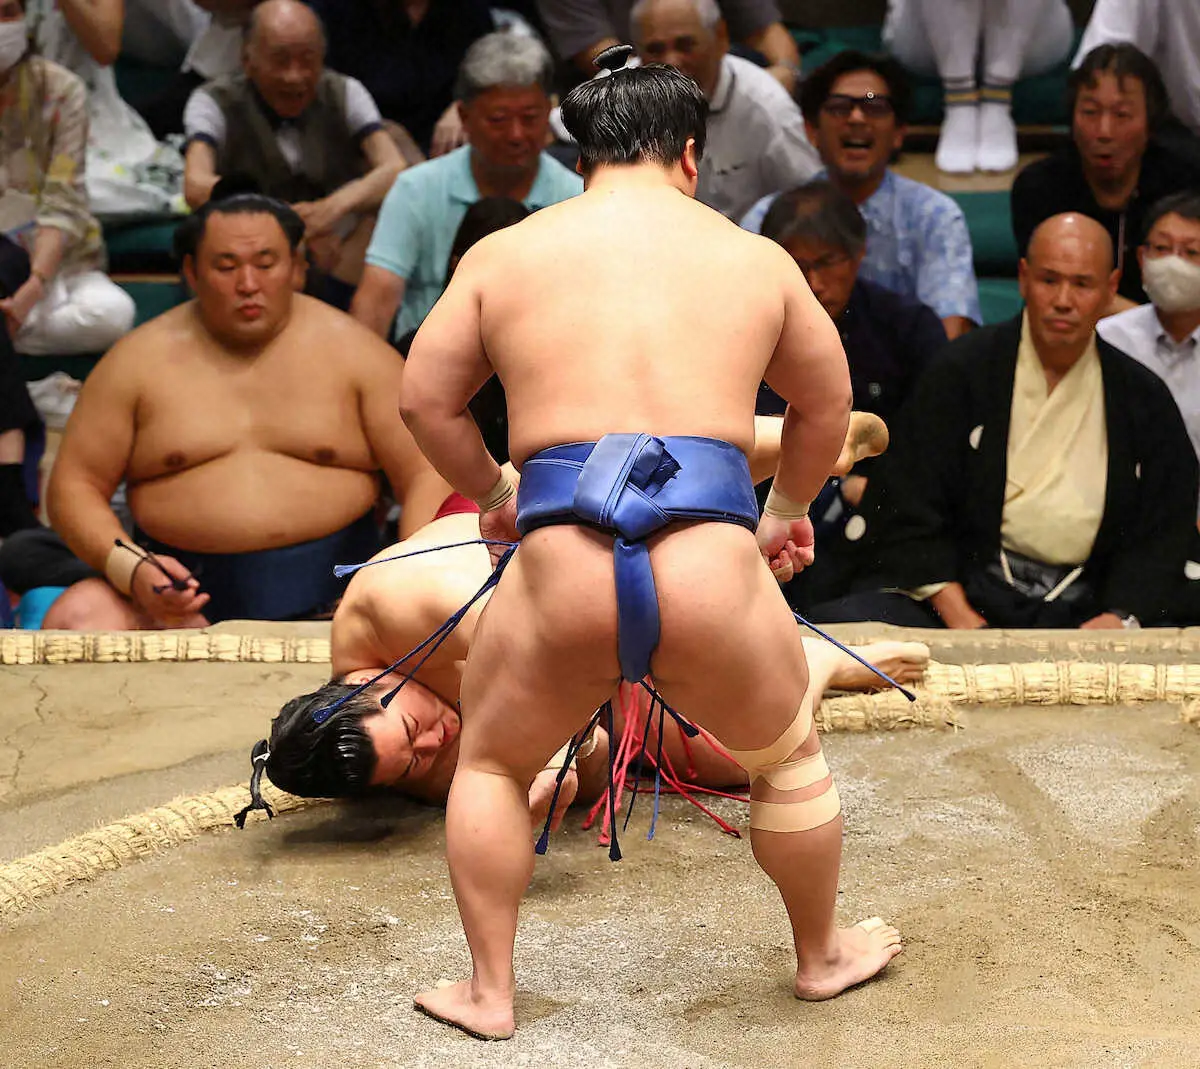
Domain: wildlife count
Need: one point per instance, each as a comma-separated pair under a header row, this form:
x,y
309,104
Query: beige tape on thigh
x,y
796,816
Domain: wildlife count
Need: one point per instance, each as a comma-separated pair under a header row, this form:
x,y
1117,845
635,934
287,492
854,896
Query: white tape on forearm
x,y
498,495
119,567
782,507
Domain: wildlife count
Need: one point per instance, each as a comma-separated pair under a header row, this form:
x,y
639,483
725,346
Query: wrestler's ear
x,y
189,271
688,161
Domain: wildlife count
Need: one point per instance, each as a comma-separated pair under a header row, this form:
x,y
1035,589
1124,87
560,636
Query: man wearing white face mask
x,y
1165,334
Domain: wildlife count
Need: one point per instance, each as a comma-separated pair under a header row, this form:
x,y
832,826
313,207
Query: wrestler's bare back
x,y
639,309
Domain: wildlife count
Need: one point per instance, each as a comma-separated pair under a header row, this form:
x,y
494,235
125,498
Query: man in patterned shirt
x,y
917,241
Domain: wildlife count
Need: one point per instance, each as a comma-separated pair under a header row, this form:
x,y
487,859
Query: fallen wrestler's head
x,y
361,746
651,114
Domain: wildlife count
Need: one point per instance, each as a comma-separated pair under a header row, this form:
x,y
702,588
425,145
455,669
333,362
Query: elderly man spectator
x,y
1116,166
67,304
888,339
503,93
918,245
1168,32
1165,334
407,53
755,141
1039,476
299,132
250,427
581,29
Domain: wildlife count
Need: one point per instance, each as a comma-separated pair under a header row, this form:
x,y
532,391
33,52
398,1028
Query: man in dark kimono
x,y
1039,476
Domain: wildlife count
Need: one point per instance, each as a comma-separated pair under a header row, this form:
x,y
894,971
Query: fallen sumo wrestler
x,y
411,745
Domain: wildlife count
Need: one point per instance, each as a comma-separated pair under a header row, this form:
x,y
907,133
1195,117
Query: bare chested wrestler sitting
x,y
634,487
251,425
412,745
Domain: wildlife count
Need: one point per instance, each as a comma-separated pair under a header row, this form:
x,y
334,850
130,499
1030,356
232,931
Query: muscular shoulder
x,y
141,352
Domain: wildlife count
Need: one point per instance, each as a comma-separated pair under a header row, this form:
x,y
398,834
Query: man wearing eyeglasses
x,y
918,245
756,142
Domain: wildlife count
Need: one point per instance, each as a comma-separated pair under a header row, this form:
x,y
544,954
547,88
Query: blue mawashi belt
x,y
632,485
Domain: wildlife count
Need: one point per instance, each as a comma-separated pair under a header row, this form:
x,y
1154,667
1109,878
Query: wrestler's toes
x,y
460,1006
862,951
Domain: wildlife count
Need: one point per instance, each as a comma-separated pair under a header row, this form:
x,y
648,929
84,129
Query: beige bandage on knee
x,y
770,764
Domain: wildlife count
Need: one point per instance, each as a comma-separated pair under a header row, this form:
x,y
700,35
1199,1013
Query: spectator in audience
x,y
67,304
1116,167
503,94
300,133
215,53
250,426
580,30
918,245
888,341
159,33
407,53
755,141
17,414
1165,334
489,406
1168,31
1002,40
129,172
1039,477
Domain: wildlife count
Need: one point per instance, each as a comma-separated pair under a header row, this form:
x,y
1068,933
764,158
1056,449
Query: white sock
x,y
958,145
997,137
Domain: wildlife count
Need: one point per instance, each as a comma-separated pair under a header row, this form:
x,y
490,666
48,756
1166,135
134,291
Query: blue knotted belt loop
x,y
632,485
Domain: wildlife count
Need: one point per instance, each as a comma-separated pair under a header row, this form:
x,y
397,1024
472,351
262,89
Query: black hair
x,y
332,759
818,85
482,218
235,196
637,115
1185,204
1122,61
817,212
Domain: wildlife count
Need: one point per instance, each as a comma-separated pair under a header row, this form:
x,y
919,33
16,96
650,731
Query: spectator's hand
x,y
542,792
154,595
785,75
320,216
16,308
1104,622
786,545
500,524
448,134
852,489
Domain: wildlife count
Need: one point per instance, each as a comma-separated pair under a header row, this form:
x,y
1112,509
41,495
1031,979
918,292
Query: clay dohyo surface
x,y
1042,865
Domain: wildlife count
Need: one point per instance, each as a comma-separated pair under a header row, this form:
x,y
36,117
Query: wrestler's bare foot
x,y
903,661
863,950
460,1005
867,436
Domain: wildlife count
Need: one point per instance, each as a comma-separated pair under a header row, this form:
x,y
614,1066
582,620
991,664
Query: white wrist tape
x,y
119,567
498,495
782,507
560,759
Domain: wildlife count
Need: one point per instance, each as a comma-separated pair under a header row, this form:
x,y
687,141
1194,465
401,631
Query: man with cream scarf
x,y
1039,476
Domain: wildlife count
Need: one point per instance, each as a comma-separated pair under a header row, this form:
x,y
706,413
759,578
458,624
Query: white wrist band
x,y
498,495
782,507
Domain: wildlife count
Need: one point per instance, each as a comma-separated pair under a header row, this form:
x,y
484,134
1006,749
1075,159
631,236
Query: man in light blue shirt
x,y
503,93
918,245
